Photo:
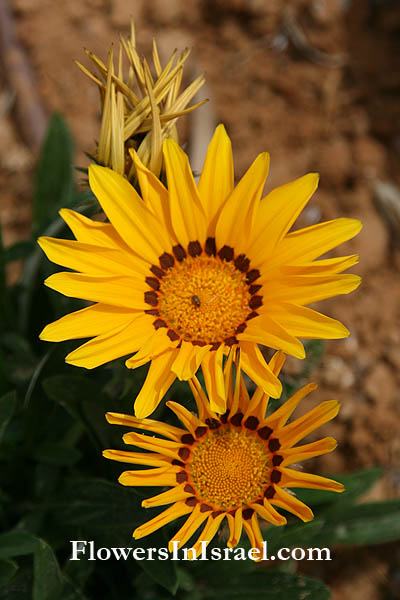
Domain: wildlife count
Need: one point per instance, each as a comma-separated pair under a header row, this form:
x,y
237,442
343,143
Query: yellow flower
x,y
235,466
180,276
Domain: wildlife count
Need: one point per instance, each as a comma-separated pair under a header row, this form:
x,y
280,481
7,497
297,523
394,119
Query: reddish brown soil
x,y
329,106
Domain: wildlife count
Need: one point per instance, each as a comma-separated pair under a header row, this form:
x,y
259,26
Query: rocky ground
x,y
313,82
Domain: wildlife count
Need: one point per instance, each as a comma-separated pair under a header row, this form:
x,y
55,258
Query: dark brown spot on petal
x,y
191,501
179,252
274,445
252,315
166,261
251,422
200,431
177,463
264,432
184,453
157,271
252,275
199,343
276,460
189,489
194,248
230,341
173,336
247,513
253,289
210,246
181,476
259,501
236,420
158,323
152,311
241,328
151,298
255,302
276,476
187,438
213,423
153,282
269,492
205,508
224,417
216,513
226,253
242,263
215,346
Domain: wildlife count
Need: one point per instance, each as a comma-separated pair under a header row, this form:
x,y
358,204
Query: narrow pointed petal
x,y
170,514
254,364
241,207
267,331
111,345
159,476
304,425
235,523
279,417
88,322
174,433
277,213
209,531
214,379
188,419
153,444
158,381
190,526
294,479
299,453
137,458
306,290
292,505
126,292
188,360
135,223
175,494
304,322
187,214
217,178
269,514
92,232
252,529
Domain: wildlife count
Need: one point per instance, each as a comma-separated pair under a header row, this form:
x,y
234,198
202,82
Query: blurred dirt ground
x,y
314,82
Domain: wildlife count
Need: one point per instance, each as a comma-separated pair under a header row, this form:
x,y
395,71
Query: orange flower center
x,y
229,468
204,298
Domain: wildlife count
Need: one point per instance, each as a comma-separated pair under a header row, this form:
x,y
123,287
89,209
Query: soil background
x,y
314,82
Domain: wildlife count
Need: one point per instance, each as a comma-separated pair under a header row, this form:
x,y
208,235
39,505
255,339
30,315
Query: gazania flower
x,y
235,467
183,274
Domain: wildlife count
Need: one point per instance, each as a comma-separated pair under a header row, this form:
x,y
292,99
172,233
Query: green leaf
x,y
8,568
48,581
19,251
17,543
54,176
84,399
8,404
264,585
362,525
59,455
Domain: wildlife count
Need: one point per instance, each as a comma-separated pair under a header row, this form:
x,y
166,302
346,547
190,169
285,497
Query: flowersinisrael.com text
x,y
82,548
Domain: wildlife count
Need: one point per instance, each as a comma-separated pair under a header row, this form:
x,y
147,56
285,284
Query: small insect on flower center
x,y
204,298
229,468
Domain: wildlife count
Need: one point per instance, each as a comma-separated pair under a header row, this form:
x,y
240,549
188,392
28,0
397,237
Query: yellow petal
x,y
189,527
305,290
159,476
299,453
153,444
126,292
187,214
188,360
302,426
292,505
92,232
303,322
137,458
278,418
217,178
135,223
241,206
214,379
297,479
173,495
209,531
174,433
254,364
111,345
235,523
309,243
269,514
267,331
158,381
277,213
87,322
170,514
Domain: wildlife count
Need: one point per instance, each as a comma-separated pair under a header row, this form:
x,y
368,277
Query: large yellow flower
x,y
235,466
179,276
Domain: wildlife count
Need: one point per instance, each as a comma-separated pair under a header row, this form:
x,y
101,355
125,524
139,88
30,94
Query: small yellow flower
x,y
183,274
138,111
234,467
